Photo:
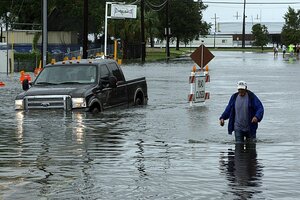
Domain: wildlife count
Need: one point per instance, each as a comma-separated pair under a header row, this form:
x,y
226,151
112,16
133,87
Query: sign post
x,y
198,78
118,11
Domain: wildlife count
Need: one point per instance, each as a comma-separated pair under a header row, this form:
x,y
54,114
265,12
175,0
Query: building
x,y
235,30
21,40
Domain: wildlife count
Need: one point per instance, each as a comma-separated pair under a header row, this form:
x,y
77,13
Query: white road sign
x,y
123,11
199,88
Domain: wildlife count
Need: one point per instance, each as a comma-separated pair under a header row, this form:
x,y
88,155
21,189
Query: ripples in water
x,y
165,150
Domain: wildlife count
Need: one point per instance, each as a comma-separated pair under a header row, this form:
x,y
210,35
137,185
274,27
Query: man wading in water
x,y
244,111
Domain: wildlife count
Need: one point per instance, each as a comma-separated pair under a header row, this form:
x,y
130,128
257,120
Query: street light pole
x,y
244,23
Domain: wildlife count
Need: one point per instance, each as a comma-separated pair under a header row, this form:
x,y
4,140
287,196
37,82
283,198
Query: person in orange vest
x,y
24,76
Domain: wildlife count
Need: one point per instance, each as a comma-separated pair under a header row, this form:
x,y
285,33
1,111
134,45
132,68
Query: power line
x,y
253,3
156,7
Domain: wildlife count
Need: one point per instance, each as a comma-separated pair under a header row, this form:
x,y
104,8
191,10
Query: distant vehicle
x,y
56,51
3,46
89,85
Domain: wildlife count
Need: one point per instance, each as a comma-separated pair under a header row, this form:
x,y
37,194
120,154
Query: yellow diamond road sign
x,y
201,56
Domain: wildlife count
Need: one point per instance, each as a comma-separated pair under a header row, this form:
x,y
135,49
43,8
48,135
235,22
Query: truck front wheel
x,y
95,108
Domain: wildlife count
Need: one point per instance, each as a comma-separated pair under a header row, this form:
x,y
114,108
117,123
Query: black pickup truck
x,y
92,85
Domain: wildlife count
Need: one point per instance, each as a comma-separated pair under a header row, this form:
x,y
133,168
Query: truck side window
x,y
116,71
104,75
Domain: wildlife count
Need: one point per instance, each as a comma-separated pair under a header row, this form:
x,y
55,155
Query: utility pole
x,y
167,31
45,33
1,36
244,23
85,29
237,16
215,18
7,59
143,43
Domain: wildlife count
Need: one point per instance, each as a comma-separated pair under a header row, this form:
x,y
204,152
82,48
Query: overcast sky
x,y
266,11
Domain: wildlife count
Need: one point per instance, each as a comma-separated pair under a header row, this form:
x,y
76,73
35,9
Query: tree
x,y
151,21
63,15
128,30
189,25
261,35
185,19
291,29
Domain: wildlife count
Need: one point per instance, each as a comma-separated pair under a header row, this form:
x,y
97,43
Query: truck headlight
x,y
78,103
19,104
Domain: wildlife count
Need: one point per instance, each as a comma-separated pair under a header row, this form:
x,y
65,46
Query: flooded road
x,y
165,150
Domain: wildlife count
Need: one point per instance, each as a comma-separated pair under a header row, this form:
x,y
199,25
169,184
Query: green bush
x,y
26,61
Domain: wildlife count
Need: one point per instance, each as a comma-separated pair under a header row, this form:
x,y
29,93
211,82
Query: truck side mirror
x,y
25,84
113,81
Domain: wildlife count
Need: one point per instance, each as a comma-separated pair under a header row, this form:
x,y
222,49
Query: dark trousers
x,y
241,135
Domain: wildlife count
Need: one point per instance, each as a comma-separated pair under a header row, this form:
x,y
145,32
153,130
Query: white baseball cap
x,y
242,85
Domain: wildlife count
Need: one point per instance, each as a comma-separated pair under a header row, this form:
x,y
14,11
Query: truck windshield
x,y
67,74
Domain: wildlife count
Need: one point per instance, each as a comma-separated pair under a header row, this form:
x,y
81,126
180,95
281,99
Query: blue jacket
x,y
255,109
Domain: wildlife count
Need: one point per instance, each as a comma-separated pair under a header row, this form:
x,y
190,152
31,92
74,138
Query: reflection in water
x,y
140,161
60,151
20,121
79,127
19,135
77,122
243,171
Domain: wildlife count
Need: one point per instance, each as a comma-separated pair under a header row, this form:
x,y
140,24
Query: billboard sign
x,y
123,11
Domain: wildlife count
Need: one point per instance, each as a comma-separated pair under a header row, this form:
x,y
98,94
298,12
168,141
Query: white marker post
x,y
197,82
201,56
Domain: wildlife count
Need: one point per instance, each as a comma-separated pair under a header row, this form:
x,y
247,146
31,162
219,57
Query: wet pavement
x,y
165,150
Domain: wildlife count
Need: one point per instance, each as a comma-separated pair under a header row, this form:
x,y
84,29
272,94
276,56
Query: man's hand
x,y
254,120
222,122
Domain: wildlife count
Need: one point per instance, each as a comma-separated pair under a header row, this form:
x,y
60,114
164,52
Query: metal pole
x,y
105,28
1,36
143,43
85,29
202,57
45,32
167,30
244,23
7,44
215,18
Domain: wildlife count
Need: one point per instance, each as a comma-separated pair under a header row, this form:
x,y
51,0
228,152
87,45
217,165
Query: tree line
x,y
185,19
290,33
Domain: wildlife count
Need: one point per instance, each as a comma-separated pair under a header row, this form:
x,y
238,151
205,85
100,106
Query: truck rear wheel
x,y
139,99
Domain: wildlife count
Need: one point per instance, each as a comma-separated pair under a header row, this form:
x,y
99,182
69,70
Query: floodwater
x,y
165,150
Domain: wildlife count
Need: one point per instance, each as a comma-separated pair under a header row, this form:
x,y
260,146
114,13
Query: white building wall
x,y
3,63
209,41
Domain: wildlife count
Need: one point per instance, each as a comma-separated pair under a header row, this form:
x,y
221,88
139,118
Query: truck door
x,y
119,94
106,92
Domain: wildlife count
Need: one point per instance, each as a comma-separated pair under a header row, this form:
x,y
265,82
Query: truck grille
x,y
48,102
